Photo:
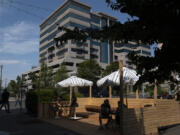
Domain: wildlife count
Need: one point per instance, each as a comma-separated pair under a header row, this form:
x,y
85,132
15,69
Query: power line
x,y
26,12
30,5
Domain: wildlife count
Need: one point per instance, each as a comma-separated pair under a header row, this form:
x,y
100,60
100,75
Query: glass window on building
x,y
103,22
104,52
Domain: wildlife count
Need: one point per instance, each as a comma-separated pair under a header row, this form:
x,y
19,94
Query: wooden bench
x,y
94,108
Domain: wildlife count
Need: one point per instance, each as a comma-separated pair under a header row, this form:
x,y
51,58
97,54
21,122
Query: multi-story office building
x,y
71,14
121,50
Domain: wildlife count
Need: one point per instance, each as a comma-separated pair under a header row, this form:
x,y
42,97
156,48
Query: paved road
x,y
18,123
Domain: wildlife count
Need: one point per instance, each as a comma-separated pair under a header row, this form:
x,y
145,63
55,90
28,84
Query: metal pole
x,y
121,96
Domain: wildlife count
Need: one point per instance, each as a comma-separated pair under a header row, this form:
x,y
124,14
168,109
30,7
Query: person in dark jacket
x,y
105,113
5,100
73,106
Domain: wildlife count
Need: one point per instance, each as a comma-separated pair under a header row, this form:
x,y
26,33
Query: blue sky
x,y
19,31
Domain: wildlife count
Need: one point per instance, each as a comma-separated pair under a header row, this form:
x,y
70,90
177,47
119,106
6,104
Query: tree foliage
x,y
46,76
157,22
89,70
61,73
114,66
15,85
34,80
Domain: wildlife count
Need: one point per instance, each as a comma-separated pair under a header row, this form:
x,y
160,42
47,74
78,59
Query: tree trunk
x,y
121,96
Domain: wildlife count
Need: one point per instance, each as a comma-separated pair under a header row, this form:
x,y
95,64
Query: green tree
x,y
12,86
89,70
114,66
61,73
34,80
18,84
46,76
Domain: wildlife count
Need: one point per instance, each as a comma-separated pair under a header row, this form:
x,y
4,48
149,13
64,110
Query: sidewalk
x,y
17,123
85,126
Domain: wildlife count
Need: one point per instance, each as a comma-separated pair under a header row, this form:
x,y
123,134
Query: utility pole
x,y
5,82
1,68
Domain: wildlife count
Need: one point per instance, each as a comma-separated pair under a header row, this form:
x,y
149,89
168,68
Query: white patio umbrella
x,y
129,75
75,81
113,78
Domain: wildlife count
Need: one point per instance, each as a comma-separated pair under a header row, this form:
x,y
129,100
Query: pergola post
x,y
155,89
90,91
137,94
110,91
70,96
121,96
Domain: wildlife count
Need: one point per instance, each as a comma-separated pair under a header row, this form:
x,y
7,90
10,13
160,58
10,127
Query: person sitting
x,y
105,113
58,108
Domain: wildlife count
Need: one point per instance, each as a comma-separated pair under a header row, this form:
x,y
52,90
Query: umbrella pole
x,y
137,94
70,96
90,91
121,96
155,89
110,91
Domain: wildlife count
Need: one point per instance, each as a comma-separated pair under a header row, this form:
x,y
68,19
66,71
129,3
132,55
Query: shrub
x,y
31,102
66,96
46,95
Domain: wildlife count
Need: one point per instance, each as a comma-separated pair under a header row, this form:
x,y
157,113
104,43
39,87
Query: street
x,y
19,123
